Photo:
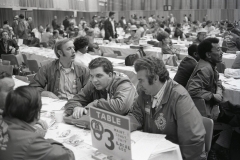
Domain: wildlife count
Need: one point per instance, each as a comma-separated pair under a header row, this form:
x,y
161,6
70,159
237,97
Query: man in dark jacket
x,y
205,84
187,66
94,21
7,46
66,23
63,77
104,90
32,40
109,26
165,107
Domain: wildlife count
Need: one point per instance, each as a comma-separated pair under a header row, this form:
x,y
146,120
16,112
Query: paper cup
x,y
59,116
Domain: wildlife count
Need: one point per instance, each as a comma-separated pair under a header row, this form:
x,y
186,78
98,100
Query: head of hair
x,y
23,103
206,46
80,43
21,16
59,44
101,62
168,30
32,34
3,32
61,32
178,25
162,25
192,49
154,66
48,29
111,13
208,22
5,22
55,32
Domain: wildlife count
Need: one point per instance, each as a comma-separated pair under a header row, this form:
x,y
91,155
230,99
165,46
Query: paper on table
x,y
144,144
127,68
49,104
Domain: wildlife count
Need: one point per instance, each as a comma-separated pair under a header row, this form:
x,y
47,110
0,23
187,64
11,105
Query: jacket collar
x,y
16,124
167,91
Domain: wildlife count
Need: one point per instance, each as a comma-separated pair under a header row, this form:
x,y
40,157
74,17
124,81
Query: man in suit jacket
x,y
94,21
32,40
109,26
7,46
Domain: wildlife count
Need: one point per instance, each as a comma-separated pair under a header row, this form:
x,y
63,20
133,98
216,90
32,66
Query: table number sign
x,y
110,133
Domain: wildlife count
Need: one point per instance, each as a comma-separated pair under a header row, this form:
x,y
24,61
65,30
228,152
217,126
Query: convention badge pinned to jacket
x,y
147,109
160,122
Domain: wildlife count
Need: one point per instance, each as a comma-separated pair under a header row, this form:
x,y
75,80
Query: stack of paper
x,y
146,145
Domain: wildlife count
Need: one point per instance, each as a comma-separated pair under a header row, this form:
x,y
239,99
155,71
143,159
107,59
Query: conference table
x,y
83,148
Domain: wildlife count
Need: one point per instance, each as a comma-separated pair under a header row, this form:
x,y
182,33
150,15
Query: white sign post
x,y
110,133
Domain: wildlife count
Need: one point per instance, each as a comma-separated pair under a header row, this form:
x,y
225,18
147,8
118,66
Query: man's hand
x,y
78,112
217,97
49,94
13,51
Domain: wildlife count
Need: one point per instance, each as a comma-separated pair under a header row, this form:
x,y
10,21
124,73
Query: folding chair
x,y
5,62
25,60
12,58
43,63
30,77
22,78
208,125
33,66
7,69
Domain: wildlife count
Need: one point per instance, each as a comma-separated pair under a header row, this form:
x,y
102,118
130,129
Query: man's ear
x,y
110,74
208,55
60,53
156,78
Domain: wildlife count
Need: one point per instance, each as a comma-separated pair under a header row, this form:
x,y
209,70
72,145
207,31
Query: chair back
x,y
221,67
208,124
201,106
33,66
5,62
22,78
7,69
43,63
25,59
12,58
30,77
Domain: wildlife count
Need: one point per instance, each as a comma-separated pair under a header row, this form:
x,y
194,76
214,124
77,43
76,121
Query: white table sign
x,y
98,40
110,133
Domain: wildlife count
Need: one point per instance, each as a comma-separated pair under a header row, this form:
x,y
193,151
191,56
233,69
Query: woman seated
x,y
21,113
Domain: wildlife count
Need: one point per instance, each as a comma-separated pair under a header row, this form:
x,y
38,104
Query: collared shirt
x,y
113,27
67,85
156,100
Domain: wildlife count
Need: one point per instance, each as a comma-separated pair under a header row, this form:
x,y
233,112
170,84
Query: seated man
x,y
90,37
164,40
105,90
187,66
7,46
231,41
21,113
63,77
205,84
32,41
134,37
81,47
209,27
201,35
165,107
178,32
